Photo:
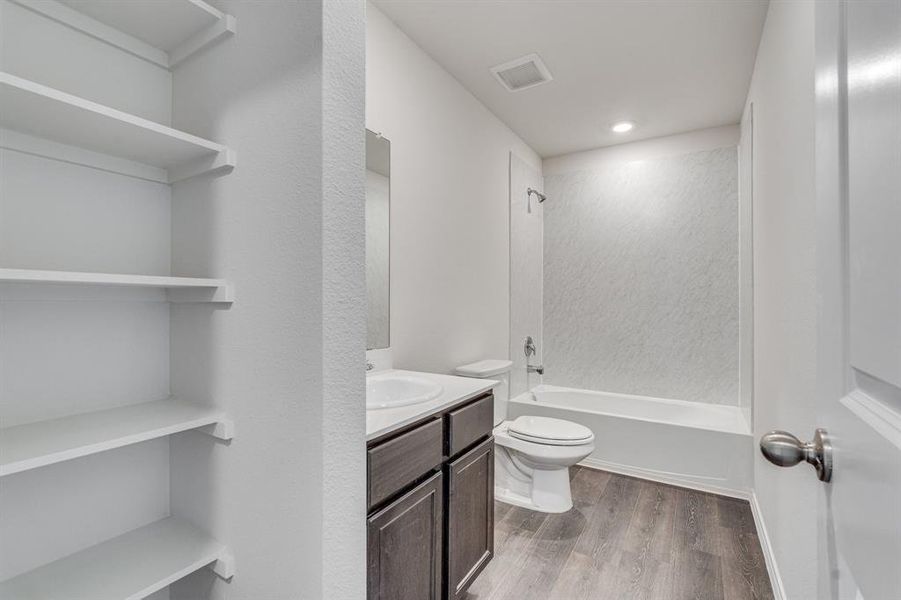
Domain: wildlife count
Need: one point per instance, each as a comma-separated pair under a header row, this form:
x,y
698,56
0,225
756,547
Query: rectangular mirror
x,y
378,205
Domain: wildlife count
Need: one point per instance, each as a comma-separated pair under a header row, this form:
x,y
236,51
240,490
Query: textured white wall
x,y
641,277
343,300
450,280
286,360
785,300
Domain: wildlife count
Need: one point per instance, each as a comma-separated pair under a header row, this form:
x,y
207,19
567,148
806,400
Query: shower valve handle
x,y
528,347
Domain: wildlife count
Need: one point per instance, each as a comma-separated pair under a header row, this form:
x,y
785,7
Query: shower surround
x,y
526,262
641,278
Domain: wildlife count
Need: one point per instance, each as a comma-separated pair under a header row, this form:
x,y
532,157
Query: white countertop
x,y
380,421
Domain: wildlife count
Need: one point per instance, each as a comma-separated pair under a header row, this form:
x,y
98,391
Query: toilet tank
x,y
499,370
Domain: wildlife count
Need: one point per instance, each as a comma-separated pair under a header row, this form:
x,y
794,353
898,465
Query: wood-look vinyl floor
x,y
626,539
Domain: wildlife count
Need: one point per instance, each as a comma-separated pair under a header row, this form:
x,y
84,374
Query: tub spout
x,y
535,369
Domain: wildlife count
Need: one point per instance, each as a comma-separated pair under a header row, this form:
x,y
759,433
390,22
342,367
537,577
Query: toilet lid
x,y
553,432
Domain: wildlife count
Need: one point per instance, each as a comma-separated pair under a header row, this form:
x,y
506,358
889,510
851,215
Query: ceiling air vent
x,y
522,73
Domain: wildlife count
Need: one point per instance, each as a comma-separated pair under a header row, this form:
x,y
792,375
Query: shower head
x,y
541,197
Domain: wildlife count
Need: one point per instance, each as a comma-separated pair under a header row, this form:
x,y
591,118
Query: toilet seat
x,y
550,432
534,473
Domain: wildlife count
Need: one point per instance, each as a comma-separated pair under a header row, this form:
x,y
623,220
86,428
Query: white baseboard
x,y
593,463
764,537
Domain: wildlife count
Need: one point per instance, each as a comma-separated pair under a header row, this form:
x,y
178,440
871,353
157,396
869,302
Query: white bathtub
x,y
702,446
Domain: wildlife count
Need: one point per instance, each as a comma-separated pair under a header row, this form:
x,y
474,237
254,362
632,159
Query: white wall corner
x,y
343,299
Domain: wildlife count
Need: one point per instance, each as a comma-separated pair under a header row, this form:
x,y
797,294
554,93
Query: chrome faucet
x,y
535,369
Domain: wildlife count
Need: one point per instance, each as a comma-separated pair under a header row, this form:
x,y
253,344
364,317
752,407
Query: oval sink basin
x,y
392,390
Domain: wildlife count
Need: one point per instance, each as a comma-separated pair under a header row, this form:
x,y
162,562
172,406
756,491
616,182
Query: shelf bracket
x,y
220,163
224,566
224,294
224,27
224,429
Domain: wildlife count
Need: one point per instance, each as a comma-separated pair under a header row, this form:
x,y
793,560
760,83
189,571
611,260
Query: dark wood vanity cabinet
x,y
403,459
431,505
406,542
470,517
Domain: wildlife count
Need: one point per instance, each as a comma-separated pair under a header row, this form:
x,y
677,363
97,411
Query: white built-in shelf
x,y
127,567
41,120
179,289
34,445
164,32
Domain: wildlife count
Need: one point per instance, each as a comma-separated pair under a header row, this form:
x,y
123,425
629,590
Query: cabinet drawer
x,y
402,460
469,424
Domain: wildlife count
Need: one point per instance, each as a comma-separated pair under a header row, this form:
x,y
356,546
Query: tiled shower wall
x,y
641,278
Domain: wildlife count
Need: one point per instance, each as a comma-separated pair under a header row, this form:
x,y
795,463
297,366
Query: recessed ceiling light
x,y
622,127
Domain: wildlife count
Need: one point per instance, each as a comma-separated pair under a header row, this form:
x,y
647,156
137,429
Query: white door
x,y
859,315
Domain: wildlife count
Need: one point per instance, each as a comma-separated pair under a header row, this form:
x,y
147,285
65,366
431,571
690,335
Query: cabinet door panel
x,y
405,551
470,517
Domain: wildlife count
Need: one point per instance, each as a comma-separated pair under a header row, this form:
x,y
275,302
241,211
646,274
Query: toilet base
x,y
543,490
548,502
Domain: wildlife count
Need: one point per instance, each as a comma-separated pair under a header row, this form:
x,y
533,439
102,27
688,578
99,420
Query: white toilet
x,y
532,454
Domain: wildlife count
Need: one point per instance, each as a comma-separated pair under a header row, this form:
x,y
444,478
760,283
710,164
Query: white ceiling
x,y
669,65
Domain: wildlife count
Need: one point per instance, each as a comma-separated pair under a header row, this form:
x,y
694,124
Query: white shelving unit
x,y
164,32
127,567
41,120
34,445
99,48
179,289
